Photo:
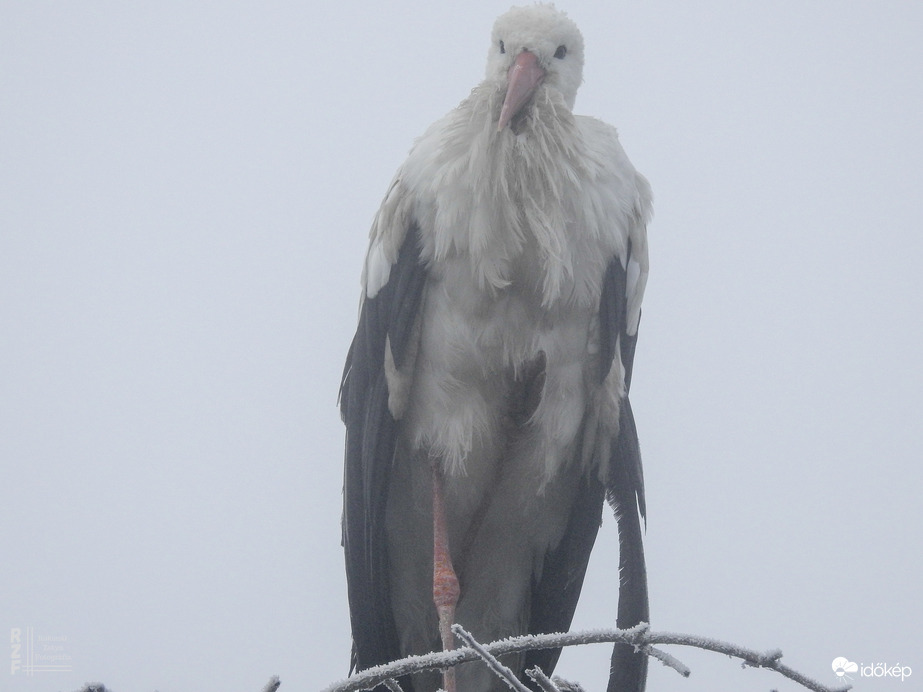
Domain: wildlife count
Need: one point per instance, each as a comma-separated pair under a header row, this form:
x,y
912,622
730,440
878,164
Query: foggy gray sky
x,y
185,195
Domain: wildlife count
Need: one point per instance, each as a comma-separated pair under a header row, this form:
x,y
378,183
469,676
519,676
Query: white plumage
x,y
502,293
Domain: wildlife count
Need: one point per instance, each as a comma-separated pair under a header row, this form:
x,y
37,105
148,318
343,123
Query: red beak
x,y
521,81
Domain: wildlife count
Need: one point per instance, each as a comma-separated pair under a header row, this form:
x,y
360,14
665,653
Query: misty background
x,y
185,195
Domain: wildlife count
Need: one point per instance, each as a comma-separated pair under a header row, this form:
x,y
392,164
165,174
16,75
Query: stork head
x,y
534,47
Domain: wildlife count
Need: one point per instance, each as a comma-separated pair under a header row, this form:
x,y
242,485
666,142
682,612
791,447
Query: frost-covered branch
x,y
542,680
270,686
769,659
393,685
639,636
500,670
668,660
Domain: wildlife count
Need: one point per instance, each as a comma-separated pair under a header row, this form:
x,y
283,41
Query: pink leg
x,y
445,582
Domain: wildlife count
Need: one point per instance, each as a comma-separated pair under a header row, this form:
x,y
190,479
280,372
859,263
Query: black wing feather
x,y
612,307
625,493
371,435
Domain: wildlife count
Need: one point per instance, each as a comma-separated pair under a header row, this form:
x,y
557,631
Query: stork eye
x,y
502,47
560,52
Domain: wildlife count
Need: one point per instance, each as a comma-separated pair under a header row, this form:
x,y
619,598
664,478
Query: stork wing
x,y
386,323
555,596
625,493
625,483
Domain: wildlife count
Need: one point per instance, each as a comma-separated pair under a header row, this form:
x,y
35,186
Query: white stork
x,y
486,390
